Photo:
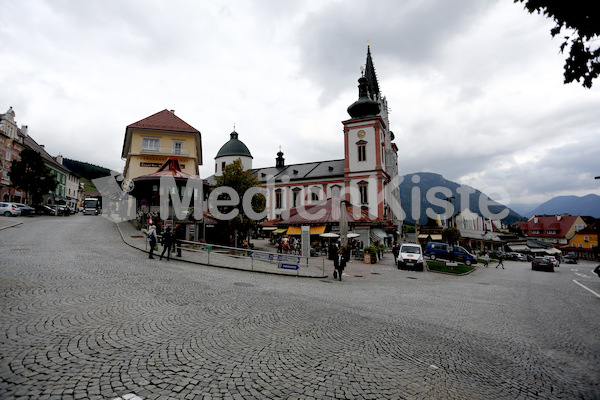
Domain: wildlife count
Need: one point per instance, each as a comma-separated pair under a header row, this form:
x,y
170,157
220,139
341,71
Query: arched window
x,y
335,191
363,188
296,197
361,147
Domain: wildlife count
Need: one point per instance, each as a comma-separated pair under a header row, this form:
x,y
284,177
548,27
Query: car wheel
x,y
7,214
468,263
432,256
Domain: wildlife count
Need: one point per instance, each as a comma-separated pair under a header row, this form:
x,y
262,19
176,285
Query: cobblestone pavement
x,y
84,316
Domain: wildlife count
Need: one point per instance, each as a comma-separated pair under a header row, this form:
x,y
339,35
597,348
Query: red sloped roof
x,y
545,223
164,120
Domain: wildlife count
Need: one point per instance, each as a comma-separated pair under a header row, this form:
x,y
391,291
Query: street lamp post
x,y
597,234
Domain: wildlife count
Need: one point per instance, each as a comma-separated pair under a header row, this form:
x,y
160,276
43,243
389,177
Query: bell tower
x,y
369,153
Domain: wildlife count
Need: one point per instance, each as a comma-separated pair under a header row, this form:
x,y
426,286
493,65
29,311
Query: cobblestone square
x,y
85,316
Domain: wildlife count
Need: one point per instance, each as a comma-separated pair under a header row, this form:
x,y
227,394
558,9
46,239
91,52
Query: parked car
x,y
571,259
542,264
9,209
25,209
442,250
521,257
411,257
553,260
496,254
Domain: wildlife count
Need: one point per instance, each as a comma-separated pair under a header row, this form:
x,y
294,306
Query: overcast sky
x,y
475,87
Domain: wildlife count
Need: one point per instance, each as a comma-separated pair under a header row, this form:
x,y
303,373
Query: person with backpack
x,y
167,242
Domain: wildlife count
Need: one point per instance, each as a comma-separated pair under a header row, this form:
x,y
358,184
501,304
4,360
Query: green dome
x,y
234,147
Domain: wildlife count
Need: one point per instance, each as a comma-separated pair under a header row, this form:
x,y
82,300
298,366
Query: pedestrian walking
x,y
167,242
179,235
500,261
396,251
339,263
153,239
486,260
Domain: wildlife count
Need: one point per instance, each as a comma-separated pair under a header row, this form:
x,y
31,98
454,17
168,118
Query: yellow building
x,y
149,142
584,242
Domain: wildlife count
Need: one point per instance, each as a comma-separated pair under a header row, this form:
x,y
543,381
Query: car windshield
x,y
411,249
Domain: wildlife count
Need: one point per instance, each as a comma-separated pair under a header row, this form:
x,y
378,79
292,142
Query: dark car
x,y
570,259
542,264
49,209
25,209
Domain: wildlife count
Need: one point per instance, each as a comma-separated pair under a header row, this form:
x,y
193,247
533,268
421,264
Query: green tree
x,y
451,234
31,175
234,176
581,25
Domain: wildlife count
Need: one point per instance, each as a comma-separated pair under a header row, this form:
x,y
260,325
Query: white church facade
x,y
367,176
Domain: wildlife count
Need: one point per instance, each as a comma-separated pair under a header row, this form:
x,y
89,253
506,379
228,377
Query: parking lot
x,y
86,316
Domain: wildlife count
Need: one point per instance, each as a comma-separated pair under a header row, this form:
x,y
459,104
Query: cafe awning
x,y
434,236
280,230
314,230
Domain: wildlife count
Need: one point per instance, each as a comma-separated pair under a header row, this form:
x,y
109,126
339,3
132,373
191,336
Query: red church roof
x,y
164,120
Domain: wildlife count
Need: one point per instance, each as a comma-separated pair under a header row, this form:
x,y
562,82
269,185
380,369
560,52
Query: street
x,y
84,316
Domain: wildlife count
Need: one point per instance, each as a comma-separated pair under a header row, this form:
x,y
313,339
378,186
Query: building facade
x,y
367,176
584,242
11,144
151,141
557,230
68,188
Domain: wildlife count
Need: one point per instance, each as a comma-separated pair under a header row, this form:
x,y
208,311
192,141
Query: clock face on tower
x,y
361,134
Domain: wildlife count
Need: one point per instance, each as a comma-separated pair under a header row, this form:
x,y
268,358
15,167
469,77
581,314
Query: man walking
x,y
339,262
500,261
167,240
153,239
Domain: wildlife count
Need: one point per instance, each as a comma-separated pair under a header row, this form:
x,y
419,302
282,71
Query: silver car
x,y
9,209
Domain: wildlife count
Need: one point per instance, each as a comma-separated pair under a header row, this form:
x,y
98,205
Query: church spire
x,y
372,84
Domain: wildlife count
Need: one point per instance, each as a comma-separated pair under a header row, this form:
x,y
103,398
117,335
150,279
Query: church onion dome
x,y
234,147
364,106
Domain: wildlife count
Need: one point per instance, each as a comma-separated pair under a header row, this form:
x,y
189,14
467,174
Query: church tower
x,y
231,151
371,161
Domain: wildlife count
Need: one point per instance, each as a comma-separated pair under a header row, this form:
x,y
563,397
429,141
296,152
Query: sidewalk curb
x,y
216,266
11,225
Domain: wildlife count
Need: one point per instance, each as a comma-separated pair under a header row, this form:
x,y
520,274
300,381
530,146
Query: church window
x,y
149,144
362,150
363,190
278,198
223,166
295,194
335,191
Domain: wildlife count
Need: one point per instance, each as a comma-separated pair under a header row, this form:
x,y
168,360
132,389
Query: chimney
x,y
59,159
24,129
172,111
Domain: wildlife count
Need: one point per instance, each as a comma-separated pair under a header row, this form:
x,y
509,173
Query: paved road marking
x,y
582,275
587,288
